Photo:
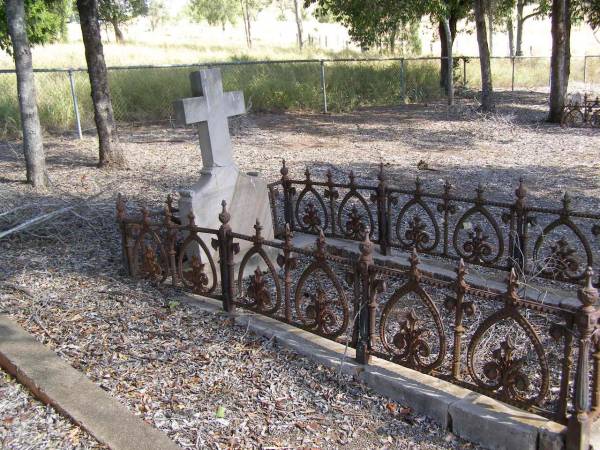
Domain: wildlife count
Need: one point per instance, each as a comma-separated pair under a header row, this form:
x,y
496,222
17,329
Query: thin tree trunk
x,y
561,58
118,33
520,23
487,90
511,36
490,24
298,14
245,24
452,22
33,147
443,55
449,62
246,17
110,152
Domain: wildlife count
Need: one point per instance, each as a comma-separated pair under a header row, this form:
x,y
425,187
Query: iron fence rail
x,y
541,242
538,357
144,93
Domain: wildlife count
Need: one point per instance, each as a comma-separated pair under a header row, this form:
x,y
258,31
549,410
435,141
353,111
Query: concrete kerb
x,y
72,394
467,414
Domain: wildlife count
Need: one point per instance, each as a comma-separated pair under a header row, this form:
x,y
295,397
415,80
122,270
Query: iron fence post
x,y
460,308
519,247
75,105
402,81
365,308
585,58
382,212
227,249
323,88
288,213
579,423
464,72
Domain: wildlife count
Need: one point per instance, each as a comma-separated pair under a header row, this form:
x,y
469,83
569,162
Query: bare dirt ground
x,y
175,367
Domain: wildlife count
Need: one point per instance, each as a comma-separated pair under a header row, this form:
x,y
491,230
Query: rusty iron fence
x,y
553,243
542,357
580,113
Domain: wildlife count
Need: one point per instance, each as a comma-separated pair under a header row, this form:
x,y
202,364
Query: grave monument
x,y
246,194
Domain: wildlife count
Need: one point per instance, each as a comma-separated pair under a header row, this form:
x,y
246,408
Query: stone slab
x,y
399,258
470,415
481,419
58,384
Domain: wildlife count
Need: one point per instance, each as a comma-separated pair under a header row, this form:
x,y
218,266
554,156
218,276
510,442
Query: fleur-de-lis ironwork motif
x,y
196,276
416,234
311,217
258,291
562,260
409,340
506,373
355,228
150,266
319,312
476,247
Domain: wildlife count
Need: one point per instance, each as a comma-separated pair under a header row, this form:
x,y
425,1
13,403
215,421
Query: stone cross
x,y
210,108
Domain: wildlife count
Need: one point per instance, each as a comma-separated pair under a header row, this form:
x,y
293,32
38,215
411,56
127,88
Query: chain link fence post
x,y
402,81
323,89
512,80
75,105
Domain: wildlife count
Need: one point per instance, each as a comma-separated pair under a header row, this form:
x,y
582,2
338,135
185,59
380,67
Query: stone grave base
x,y
247,198
465,413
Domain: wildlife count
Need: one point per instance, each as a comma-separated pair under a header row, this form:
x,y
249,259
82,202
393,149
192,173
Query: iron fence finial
x,y
224,216
588,294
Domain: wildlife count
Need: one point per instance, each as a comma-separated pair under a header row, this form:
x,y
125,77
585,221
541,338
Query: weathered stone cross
x,y
210,108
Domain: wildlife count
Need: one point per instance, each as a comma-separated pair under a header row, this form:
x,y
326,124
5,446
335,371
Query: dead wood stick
x,y
48,216
14,210
16,287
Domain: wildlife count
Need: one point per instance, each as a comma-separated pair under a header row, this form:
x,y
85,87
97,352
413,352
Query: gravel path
x,y
181,369
25,423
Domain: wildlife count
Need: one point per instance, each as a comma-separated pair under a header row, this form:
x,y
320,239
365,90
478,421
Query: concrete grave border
x,y
465,413
52,380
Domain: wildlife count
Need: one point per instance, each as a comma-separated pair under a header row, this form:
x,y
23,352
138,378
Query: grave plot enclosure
x,y
538,354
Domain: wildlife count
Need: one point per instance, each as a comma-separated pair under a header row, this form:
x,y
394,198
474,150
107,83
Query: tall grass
x,y
144,95
141,95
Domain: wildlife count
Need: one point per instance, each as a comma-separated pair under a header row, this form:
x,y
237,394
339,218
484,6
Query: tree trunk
x,y
246,17
249,29
511,36
118,33
561,58
490,24
298,14
452,22
520,22
487,91
449,62
111,154
33,147
443,55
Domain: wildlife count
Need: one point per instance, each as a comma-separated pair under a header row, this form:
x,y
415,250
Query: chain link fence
x,y
144,94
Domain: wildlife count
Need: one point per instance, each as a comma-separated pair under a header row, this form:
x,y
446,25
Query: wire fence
x,y
144,94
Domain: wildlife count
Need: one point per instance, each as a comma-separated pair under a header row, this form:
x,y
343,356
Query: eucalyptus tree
x,y
119,12
22,24
367,25
110,152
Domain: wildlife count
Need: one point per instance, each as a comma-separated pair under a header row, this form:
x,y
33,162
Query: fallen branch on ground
x,y
48,216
